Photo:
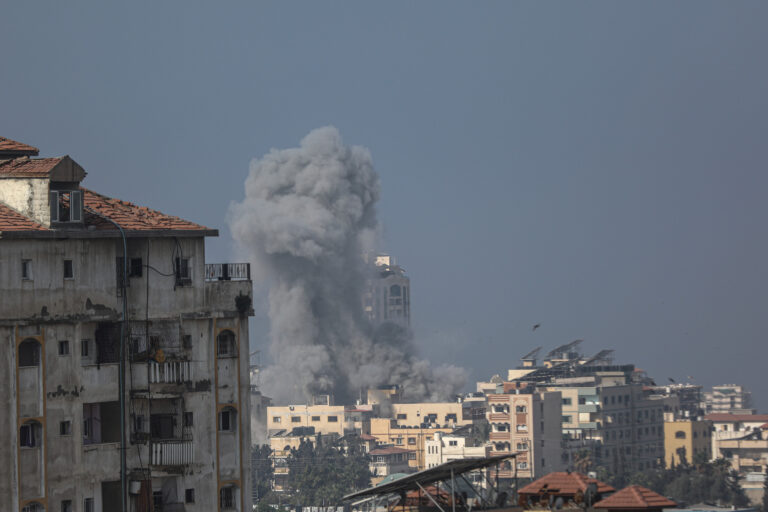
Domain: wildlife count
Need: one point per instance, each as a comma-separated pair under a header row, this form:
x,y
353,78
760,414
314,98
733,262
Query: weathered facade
x,y
125,356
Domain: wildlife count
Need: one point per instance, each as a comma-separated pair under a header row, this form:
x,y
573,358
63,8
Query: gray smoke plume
x,y
307,218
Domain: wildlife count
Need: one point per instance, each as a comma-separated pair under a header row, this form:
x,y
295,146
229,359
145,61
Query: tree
x,y
261,470
582,460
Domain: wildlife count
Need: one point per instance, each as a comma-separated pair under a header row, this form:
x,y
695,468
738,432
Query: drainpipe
x,y
123,476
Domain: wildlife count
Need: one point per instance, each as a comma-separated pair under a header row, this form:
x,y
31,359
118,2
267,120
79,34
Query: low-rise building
x,y
410,437
445,447
325,419
388,460
686,441
748,455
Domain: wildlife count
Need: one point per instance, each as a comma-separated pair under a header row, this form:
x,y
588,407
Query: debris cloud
x,y
307,218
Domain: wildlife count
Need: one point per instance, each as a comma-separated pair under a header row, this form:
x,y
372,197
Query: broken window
x,y
29,353
161,426
66,206
64,347
101,422
189,496
65,428
30,434
227,497
226,344
183,271
227,420
107,343
69,272
135,268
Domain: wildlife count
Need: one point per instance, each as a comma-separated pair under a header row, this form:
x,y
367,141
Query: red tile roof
x,y
562,483
635,497
724,417
130,216
11,220
26,167
13,147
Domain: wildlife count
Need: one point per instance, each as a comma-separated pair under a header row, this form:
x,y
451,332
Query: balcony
x,y
227,271
172,453
589,408
170,372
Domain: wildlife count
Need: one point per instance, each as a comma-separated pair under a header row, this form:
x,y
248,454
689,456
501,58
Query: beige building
x,y
444,447
388,460
728,399
526,423
413,438
686,440
125,355
387,296
431,414
325,419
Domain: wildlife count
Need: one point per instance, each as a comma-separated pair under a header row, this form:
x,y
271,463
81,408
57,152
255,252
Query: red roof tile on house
x,y
9,146
635,497
26,167
11,220
130,216
563,483
724,417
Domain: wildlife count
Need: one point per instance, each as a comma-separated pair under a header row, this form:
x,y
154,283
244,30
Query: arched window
x,y
228,497
521,409
33,507
394,290
225,343
29,353
679,434
31,434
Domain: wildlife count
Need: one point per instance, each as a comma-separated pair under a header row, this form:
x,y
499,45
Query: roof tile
x,y
635,497
563,483
25,167
11,146
11,220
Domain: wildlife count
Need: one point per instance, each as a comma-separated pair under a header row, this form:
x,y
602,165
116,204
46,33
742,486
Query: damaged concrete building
x,y
124,355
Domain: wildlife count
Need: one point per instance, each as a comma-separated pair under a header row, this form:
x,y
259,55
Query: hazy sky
x,y
599,168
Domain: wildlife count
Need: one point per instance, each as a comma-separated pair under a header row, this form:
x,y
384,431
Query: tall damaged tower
x,y
125,377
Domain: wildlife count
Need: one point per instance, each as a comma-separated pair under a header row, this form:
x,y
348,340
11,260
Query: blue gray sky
x,y
596,167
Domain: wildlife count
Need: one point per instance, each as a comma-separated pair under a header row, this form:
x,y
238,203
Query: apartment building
x,y
448,414
527,423
387,297
325,419
728,399
686,440
387,431
123,381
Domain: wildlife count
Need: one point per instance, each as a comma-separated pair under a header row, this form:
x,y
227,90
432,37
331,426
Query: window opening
x,y
64,347
69,272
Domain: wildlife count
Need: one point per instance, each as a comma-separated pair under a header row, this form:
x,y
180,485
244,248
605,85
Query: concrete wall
x,y
29,196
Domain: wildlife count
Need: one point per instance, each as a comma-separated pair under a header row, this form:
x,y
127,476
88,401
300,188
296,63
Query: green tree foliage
x,y
261,470
321,475
710,482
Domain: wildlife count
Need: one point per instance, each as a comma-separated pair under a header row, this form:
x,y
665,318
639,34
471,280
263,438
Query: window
x,y
29,353
135,267
65,428
30,434
161,426
679,434
225,344
182,270
566,401
453,443
69,272
33,507
411,440
521,409
157,500
187,341
189,419
189,496
276,419
227,420
26,269
567,419
88,505
399,440
521,447
402,416
66,205
84,347
63,347
101,422
522,465
411,456
333,419
295,419
522,428
315,418
66,506
450,417
227,497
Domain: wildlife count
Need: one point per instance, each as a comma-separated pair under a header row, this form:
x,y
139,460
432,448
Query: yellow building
x,y
388,432
684,439
431,414
326,419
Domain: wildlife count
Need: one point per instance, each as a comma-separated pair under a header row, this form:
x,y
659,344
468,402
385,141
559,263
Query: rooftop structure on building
x,y
126,372
635,498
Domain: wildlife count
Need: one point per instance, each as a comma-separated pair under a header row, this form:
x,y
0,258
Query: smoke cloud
x,y
307,217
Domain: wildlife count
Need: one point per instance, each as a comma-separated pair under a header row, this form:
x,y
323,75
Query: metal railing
x,y
172,453
227,271
170,372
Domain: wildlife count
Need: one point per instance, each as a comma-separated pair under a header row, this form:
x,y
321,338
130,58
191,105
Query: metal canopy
x,y
430,476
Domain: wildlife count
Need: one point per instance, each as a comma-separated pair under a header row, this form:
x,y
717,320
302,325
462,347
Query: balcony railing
x,y
170,372
172,453
227,271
